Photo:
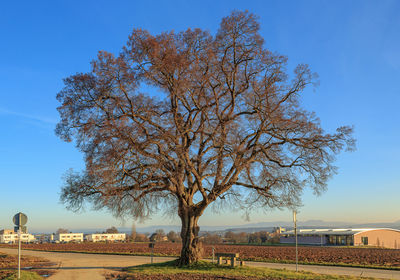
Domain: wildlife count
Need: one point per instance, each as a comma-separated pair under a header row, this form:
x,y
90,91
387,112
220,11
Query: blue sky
x,y
354,46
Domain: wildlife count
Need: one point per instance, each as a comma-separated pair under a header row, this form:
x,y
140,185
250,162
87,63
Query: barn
x,y
376,237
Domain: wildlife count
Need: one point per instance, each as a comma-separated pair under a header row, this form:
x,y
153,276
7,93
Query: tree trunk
x,y
191,247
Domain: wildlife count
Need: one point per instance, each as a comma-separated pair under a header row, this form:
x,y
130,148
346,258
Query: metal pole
x,y
213,254
295,233
19,253
152,249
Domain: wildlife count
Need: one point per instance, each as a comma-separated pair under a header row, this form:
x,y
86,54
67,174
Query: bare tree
x,y
225,123
62,230
112,230
211,238
230,236
173,236
141,237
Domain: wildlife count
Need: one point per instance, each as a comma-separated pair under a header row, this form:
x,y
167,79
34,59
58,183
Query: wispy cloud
x,y
41,119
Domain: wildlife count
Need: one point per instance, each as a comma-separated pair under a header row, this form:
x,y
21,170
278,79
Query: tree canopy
x,y
180,120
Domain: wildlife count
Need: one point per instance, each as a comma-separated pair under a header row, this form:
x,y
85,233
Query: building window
x,y
349,240
364,240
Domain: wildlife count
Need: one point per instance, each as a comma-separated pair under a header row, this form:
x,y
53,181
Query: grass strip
x,y
355,265
207,268
25,275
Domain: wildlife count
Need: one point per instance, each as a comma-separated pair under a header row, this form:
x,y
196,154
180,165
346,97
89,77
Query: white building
x,y
95,237
13,237
377,237
69,237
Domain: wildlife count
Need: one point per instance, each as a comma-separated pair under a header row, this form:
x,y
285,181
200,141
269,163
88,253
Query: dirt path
x,y
75,266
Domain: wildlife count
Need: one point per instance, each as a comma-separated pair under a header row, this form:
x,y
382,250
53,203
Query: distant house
x,y
9,236
378,237
157,237
96,237
69,237
44,238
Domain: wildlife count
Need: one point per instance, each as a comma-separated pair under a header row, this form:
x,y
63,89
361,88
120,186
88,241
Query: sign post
x,y
151,245
19,254
295,233
19,219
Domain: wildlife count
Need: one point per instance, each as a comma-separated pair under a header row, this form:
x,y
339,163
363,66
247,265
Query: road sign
x,y
20,219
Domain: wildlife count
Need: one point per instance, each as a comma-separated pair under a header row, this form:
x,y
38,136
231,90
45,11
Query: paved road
x,y
351,271
75,266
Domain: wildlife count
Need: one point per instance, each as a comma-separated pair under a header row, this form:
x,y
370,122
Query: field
x,y
369,257
9,264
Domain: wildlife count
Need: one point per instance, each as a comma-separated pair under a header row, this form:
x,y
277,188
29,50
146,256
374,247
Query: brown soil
x,y
9,264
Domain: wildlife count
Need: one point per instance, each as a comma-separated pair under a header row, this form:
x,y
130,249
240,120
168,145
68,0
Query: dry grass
x,y
209,271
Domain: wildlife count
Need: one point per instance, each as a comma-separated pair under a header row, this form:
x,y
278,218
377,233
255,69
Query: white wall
x,y
13,238
105,237
68,237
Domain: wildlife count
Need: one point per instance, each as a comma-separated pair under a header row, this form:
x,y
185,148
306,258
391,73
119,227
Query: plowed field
x,y
326,255
9,263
